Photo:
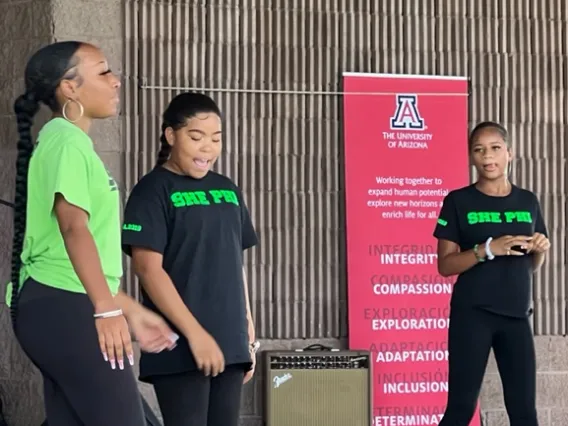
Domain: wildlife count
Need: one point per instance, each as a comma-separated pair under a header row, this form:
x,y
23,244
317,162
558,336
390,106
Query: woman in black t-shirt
x,y
186,227
492,235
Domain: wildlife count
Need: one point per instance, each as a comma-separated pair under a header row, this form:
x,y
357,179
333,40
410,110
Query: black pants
x,y
192,399
472,334
57,331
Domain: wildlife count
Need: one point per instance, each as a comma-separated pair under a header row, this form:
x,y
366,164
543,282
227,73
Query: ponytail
x,y
165,148
44,72
25,107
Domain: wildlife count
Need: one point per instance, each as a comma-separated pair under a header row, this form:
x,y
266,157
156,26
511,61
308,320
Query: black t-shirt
x,y
469,217
201,227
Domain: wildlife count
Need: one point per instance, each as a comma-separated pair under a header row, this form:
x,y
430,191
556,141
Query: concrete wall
x,y
24,26
27,24
552,378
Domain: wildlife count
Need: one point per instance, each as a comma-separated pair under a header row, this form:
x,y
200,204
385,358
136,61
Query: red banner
x,y
405,149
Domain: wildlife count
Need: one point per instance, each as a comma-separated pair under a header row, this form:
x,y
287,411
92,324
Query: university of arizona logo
x,y
407,116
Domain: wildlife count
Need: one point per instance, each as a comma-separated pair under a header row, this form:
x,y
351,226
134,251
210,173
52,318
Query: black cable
x,y
7,203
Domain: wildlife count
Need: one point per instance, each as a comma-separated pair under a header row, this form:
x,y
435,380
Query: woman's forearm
x,y
126,303
538,261
458,263
85,259
251,331
161,290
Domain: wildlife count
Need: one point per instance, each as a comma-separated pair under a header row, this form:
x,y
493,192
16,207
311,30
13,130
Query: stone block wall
x,y
24,26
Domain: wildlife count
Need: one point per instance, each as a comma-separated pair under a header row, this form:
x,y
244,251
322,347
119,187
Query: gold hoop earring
x,y
81,110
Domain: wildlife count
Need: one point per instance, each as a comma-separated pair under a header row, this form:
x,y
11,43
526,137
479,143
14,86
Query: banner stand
x,y
405,144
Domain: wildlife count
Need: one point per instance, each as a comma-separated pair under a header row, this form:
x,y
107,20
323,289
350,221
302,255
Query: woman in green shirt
x,y
69,315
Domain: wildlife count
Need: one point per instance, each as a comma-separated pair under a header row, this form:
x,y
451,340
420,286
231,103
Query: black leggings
x,y
57,331
192,399
472,334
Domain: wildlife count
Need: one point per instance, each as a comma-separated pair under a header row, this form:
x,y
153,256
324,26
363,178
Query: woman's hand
x,y
206,351
502,245
151,331
252,348
114,340
249,374
539,244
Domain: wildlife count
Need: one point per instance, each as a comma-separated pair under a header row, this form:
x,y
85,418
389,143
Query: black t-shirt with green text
x,y
469,217
201,227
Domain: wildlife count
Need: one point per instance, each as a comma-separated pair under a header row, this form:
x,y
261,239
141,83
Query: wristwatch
x,y
254,347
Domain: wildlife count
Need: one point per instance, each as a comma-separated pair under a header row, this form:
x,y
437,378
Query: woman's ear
x,y
170,136
68,89
511,158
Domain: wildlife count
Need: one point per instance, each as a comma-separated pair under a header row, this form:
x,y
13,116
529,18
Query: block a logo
x,y
407,116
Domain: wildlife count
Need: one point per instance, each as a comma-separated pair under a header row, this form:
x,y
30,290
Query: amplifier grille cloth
x,y
320,397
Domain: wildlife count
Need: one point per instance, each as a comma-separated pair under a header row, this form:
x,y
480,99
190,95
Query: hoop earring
x,y
81,110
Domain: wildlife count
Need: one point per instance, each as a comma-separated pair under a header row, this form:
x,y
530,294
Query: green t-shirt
x,y
64,161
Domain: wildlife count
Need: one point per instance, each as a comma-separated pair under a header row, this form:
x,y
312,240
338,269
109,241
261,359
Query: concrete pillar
x,y
25,26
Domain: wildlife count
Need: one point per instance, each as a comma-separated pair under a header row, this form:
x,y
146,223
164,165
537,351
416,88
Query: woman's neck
x,y
83,123
499,188
173,167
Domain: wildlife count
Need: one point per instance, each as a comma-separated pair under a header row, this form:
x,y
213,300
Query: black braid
x,y
25,107
44,72
165,148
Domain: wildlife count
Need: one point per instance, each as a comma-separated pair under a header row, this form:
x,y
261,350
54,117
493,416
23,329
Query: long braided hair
x,y
44,71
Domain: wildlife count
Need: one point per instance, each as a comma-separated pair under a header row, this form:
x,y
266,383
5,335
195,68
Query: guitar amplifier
x,y
318,388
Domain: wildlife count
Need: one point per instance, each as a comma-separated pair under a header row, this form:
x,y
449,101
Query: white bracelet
x,y
490,255
109,314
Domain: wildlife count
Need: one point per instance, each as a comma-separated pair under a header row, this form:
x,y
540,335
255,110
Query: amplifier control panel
x,y
306,361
